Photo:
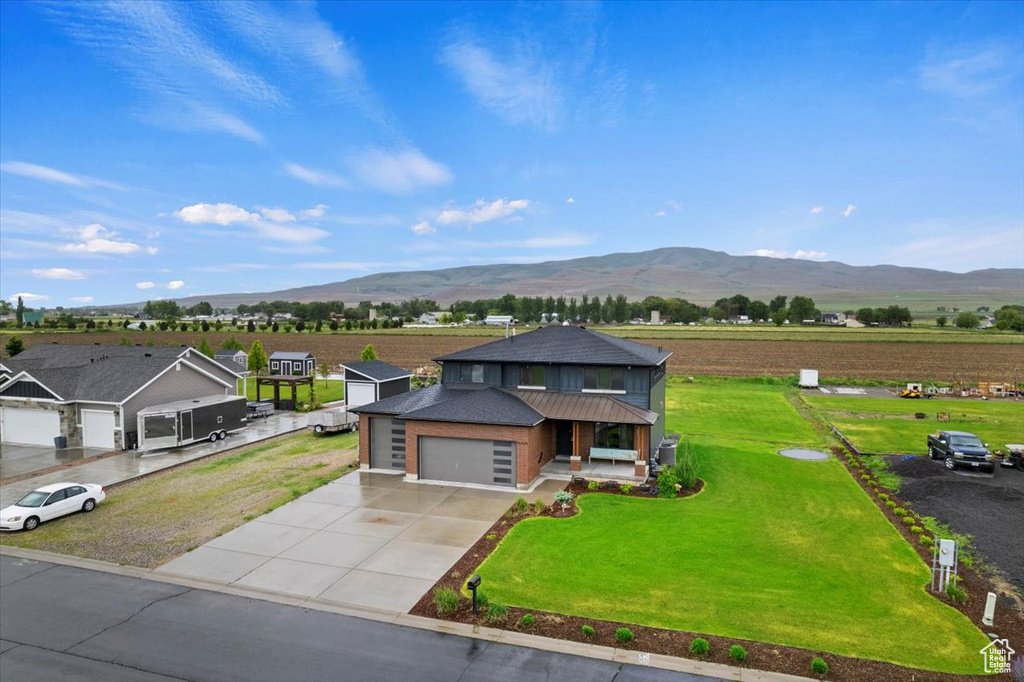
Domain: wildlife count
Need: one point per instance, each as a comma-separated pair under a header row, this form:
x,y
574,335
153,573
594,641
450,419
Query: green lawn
x,y
326,391
773,549
884,426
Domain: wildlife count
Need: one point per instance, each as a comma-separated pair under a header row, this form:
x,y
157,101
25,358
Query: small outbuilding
x,y
373,380
287,363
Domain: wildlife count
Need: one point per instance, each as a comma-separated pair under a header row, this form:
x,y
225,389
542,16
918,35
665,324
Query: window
x,y
56,497
604,379
471,374
618,436
531,375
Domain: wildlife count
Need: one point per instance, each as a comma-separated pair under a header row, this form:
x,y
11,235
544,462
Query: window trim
x,y
529,369
619,426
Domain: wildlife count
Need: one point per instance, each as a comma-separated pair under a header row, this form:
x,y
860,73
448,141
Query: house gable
x,y
25,386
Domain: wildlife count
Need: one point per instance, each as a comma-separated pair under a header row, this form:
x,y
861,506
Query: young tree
x,y
19,312
801,308
779,316
941,320
319,326
257,357
966,320
14,346
300,326
334,325
251,327
204,347
324,370
232,344
369,353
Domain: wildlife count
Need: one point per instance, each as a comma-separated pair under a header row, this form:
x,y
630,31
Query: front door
x,y
186,426
563,438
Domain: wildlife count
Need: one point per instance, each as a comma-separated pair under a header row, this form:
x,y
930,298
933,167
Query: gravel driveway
x,y
987,507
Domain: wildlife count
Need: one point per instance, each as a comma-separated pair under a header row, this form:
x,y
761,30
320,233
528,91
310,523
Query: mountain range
x,y
698,275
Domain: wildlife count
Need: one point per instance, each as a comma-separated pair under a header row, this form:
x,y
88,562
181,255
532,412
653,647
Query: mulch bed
x,y
760,656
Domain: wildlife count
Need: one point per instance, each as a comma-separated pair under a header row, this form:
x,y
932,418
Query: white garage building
x,y
91,394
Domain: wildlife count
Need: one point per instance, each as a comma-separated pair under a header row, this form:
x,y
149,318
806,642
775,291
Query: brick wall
x,y
364,441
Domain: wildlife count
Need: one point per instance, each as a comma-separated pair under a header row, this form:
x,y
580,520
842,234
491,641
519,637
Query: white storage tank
x,y
808,378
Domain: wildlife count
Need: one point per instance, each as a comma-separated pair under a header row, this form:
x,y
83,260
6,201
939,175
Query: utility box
x,y
808,378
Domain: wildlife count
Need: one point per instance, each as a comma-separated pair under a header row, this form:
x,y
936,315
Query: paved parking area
x,y
368,539
131,464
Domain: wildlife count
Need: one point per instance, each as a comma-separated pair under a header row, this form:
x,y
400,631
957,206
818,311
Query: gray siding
x,y
451,372
657,405
637,388
173,385
386,389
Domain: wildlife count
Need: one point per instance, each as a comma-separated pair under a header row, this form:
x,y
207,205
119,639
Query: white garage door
x,y
98,429
359,394
28,426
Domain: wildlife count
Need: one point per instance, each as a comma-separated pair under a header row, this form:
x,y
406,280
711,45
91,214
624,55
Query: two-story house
x,y
506,408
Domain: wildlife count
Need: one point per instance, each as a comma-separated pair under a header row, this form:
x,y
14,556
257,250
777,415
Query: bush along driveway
x,y
785,552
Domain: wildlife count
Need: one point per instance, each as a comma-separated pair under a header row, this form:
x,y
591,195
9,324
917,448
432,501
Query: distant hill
x,y
698,275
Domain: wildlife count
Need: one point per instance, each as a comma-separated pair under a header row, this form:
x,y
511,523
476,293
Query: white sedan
x,y
49,502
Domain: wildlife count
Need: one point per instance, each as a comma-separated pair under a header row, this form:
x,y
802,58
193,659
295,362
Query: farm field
x,y
766,553
877,360
888,426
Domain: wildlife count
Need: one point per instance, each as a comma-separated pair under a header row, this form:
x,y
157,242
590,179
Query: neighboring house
x,y
285,363
92,394
32,316
373,380
499,320
506,408
832,318
427,318
238,357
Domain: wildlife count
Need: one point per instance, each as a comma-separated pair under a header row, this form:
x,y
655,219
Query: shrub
x,y
883,496
593,485
446,600
491,536
529,619
626,488
520,505
927,540
564,498
819,666
865,477
890,504
873,484
481,598
687,466
539,506
623,635
737,653
916,530
899,511
699,647
496,613
587,631
908,520
956,594
667,484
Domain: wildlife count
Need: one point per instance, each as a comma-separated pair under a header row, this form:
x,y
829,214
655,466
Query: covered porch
x,y
562,469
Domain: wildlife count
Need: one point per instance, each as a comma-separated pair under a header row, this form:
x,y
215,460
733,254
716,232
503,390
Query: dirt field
x,y
940,362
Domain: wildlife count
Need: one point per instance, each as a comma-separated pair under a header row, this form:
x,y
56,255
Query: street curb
x,y
631,657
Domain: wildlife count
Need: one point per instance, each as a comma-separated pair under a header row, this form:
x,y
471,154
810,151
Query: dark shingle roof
x,y
568,345
411,400
486,406
100,373
230,365
377,370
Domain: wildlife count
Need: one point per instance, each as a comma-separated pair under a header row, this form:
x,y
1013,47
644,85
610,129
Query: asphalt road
x,y
58,622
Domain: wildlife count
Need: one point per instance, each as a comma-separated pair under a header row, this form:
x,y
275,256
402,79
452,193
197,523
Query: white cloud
x,y
816,210
46,174
315,212
175,284
217,214
554,242
316,178
399,172
850,208
799,254
278,215
660,214
81,299
152,250
97,239
965,73
674,205
144,285
423,227
990,246
27,297
520,89
57,273
482,211
570,200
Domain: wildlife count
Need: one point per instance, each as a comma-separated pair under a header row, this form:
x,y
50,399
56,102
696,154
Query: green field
x,y
888,426
773,549
325,391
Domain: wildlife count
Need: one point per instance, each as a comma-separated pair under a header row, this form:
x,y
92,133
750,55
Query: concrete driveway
x,y
368,539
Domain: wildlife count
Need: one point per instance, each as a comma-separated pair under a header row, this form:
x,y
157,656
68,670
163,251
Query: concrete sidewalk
x,y
633,657
130,464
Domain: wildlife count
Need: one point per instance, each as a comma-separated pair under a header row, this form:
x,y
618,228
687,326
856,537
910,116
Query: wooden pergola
x,y
282,380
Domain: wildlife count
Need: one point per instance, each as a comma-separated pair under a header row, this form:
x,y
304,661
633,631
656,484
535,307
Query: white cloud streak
x,y
52,175
849,210
57,273
399,171
799,254
216,214
816,210
82,299
278,215
268,226
315,212
174,285
96,239
482,212
423,228
315,177
28,297
145,285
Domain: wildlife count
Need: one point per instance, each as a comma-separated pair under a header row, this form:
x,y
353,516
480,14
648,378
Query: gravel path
x,y
988,507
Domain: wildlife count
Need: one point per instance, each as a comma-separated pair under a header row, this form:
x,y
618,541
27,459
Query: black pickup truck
x,y
961,449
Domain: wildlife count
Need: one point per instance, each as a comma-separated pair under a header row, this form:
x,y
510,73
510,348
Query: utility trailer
x,y
333,420
188,421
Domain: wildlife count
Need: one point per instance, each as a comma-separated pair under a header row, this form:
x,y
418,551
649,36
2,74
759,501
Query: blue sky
x,y
163,150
